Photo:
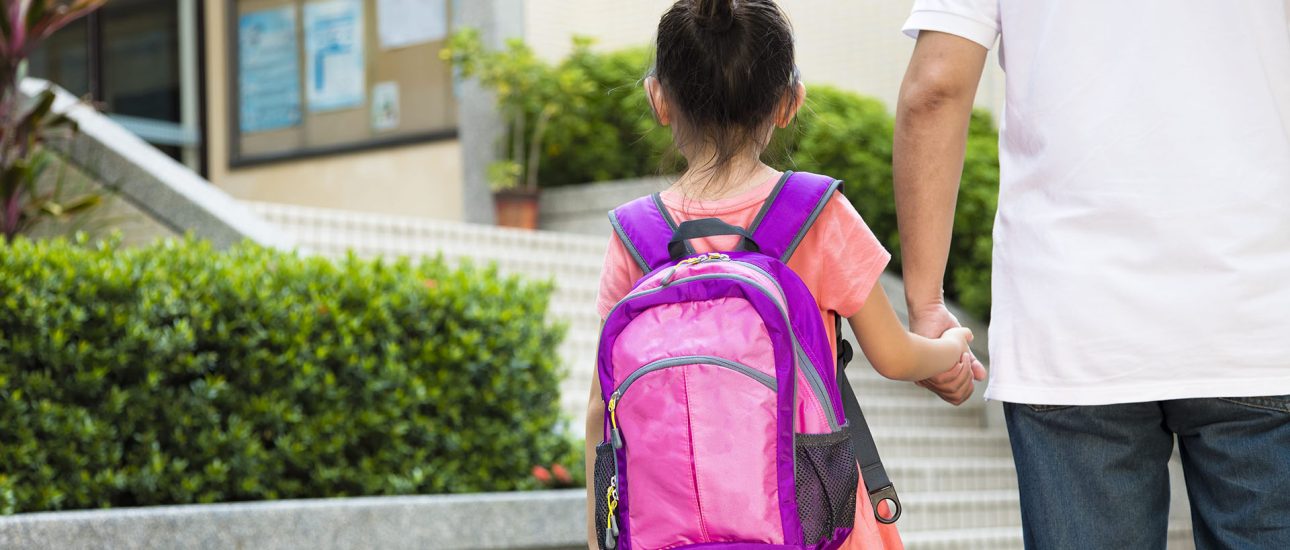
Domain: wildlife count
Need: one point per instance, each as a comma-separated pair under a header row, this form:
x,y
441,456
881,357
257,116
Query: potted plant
x,y
530,93
25,126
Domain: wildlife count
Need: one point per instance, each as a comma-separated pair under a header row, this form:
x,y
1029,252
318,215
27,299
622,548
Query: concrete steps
x,y
932,443
940,510
927,475
952,465
1007,538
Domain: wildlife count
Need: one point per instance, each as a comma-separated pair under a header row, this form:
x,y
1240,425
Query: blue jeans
x,y
1096,477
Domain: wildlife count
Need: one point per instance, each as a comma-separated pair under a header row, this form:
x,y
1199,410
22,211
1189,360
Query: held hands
x,y
956,384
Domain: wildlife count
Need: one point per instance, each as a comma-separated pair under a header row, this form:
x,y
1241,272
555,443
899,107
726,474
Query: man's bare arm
x,y
927,160
932,118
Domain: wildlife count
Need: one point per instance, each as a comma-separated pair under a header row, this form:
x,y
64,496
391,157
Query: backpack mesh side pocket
x,y
604,471
827,478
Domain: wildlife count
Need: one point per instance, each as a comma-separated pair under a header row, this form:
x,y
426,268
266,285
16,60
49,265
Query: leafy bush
x,y
617,137
849,137
177,373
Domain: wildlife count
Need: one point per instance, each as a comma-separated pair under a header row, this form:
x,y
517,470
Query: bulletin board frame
x,y
238,157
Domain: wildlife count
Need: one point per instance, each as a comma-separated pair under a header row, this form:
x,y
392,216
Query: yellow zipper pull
x,y
611,521
615,436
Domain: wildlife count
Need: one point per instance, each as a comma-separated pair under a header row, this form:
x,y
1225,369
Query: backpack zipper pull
x,y
611,522
611,534
615,436
709,257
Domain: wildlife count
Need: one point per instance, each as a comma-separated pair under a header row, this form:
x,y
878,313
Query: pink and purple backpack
x,y
725,423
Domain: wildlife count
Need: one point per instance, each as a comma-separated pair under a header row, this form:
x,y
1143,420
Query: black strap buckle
x,y
885,494
845,353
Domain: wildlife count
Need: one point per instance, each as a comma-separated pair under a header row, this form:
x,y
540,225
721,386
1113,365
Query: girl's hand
x,y
964,371
961,336
956,385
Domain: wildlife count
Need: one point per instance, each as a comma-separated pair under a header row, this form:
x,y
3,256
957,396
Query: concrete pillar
x,y
478,121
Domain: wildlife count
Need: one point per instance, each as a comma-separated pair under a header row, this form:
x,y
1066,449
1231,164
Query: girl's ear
x,y
657,101
792,104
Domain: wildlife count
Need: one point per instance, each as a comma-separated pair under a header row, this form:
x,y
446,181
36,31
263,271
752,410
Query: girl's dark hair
x,y
726,67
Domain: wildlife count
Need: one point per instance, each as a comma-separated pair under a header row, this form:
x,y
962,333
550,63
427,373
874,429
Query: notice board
x,y
315,77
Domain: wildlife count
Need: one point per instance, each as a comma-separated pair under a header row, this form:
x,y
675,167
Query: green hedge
x,y
177,373
838,133
849,137
616,136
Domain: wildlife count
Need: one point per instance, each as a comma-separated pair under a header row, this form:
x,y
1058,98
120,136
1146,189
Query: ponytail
x,y
715,15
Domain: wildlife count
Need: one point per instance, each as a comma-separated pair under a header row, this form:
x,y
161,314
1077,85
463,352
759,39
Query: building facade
x,y
346,103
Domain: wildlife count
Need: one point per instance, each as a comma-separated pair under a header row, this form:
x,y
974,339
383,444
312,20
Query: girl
x,y
724,79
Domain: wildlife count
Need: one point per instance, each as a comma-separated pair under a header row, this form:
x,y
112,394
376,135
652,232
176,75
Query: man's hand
x,y
955,386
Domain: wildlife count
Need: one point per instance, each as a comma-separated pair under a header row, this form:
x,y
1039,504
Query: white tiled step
x,y
876,386
918,475
883,412
967,511
925,511
1007,538
988,538
895,444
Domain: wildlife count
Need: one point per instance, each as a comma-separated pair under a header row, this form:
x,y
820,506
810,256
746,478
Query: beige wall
x,y
418,180
853,44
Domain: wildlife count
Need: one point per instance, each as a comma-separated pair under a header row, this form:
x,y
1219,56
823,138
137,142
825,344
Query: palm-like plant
x,y
24,24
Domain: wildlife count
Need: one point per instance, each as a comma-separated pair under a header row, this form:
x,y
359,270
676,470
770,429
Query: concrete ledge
x,y
163,189
583,208
531,520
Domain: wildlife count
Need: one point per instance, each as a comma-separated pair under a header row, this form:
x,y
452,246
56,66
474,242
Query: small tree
x,y
530,92
24,129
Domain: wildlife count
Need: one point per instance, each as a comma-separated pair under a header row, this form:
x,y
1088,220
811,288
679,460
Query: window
x,y
138,59
311,77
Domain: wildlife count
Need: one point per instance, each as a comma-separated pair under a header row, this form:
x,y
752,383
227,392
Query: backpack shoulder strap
x,y
645,227
787,216
790,211
876,482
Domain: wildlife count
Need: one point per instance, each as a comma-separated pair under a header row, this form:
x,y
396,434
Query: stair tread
x,y
996,496
976,534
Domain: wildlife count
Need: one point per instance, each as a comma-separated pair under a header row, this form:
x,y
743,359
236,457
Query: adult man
x,y
1142,254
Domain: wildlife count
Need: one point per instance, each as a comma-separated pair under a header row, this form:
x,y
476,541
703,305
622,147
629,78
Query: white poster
x,y
334,54
268,70
404,23
385,106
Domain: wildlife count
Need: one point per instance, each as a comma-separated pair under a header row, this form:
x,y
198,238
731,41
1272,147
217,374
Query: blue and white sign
x,y
268,70
335,67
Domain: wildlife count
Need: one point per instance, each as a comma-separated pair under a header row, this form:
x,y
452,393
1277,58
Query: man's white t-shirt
x,y
1142,242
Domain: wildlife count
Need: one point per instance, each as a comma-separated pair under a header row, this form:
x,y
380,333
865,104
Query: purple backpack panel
x,y
724,420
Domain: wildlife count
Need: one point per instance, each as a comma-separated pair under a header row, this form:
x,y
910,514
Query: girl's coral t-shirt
x,y
840,261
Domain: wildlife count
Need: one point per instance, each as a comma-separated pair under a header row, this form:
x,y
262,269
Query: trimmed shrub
x,y
177,374
849,137
616,137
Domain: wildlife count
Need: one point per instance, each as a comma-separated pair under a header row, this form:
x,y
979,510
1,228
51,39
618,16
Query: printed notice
x,y
385,106
335,74
268,70
405,23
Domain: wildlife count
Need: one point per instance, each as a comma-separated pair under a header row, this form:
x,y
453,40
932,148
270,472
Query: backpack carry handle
x,y
707,227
